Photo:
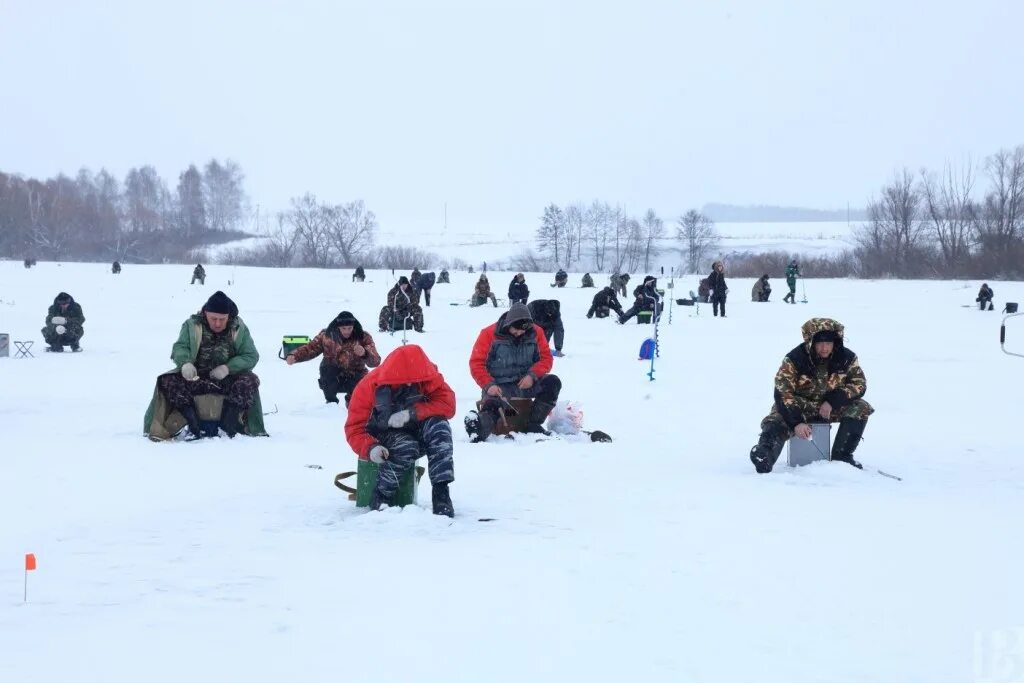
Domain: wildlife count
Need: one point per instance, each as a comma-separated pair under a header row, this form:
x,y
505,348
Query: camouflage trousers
x,y
481,300
239,389
432,437
69,338
858,409
389,320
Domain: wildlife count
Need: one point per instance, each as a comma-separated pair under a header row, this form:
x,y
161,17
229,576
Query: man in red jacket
x,y
399,412
511,358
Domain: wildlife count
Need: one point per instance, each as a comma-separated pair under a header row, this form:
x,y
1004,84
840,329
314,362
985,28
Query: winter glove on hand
x,y
61,329
379,454
58,320
399,419
188,371
219,372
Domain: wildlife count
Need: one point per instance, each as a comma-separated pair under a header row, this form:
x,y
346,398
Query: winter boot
x,y
768,448
538,413
479,425
442,500
330,399
378,500
56,348
75,346
195,431
229,418
847,439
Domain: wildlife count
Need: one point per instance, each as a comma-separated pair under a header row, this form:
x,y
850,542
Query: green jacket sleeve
x,y
181,352
246,356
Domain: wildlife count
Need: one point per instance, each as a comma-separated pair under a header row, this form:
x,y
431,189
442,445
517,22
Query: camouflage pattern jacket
x,y
804,382
340,352
72,314
482,289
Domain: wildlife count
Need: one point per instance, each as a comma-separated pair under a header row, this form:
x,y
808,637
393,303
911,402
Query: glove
x,y
219,372
379,454
61,329
399,419
188,371
58,320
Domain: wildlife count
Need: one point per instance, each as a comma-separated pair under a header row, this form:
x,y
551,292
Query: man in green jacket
x,y
214,354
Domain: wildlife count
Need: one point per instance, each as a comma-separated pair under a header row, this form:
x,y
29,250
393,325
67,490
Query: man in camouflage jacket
x,y
819,381
347,353
482,292
64,321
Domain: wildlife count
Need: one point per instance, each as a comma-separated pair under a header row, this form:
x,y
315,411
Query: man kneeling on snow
x,y
511,358
214,354
399,412
819,381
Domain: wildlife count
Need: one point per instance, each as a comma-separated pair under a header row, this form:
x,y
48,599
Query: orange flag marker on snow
x,y
30,566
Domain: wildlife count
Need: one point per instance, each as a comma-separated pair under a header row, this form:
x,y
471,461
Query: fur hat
x,y
219,302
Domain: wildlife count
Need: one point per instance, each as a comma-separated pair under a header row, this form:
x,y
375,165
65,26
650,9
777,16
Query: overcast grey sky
x,y
501,107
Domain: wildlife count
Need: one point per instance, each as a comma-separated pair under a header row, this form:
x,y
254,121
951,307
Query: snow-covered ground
x,y
659,557
498,243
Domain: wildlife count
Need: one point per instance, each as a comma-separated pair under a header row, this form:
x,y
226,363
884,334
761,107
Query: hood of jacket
x,y
405,365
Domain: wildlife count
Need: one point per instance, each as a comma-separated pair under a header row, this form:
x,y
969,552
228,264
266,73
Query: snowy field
x,y
502,242
659,557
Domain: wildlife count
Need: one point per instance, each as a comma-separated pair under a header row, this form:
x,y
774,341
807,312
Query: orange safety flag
x,y
30,562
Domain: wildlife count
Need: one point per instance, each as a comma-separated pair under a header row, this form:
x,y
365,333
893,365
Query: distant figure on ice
x,y
518,292
399,412
402,310
792,273
414,278
548,314
645,298
587,281
704,291
561,277
619,282
359,275
347,353
719,290
198,273
819,381
64,320
604,302
214,355
425,283
511,358
761,290
443,277
482,292
115,267
985,295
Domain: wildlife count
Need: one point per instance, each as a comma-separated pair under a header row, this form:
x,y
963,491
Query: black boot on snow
x,y
442,500
847,439
56,348
194,430
479,425
766,452
229,418
538,413
378,500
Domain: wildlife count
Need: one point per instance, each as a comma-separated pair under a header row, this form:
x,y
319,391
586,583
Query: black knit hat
x,y
220,303
345,318
825,336
403,280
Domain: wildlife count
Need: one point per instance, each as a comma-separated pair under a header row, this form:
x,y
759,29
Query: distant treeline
x,y
95,216
730,213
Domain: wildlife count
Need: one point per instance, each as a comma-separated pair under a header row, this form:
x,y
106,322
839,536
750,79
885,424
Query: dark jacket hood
x,y
332,327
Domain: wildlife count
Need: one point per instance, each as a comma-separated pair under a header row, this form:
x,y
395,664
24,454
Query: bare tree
x,y
573,232
952,214
698,236
223,195
308,218
351,229
529,261
600,226
1001,228
551,233
898,216
653,231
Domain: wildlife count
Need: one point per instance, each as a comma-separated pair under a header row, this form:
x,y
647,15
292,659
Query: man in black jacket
x,y
646,298
518,292
547,313
604,302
